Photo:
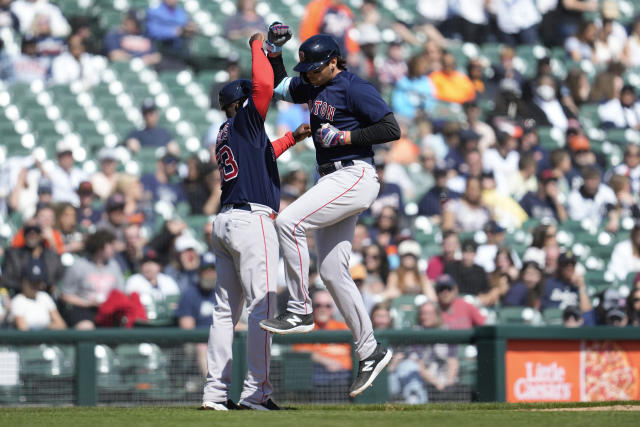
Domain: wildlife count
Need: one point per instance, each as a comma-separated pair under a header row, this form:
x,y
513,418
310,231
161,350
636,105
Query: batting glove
x,y
330,136
278,35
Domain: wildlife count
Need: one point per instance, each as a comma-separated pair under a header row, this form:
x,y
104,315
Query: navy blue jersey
x,y
246,160
348,103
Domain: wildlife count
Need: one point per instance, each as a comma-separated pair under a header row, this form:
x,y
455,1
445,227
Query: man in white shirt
x,y
625,257
622,112
159,293
65,176
517,20
592,200
27,10
76,64
502,160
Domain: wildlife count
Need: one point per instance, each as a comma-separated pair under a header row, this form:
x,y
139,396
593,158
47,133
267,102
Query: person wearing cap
x,y
611,309
455,311
65,176
486,252
151,135
593,200
89,281
115,219
567,287
469,276
572,317
128,41
625,258
185,269
32,308
545,202
88,214
406,279
165,183
155,288
622,112
431,203
104,181
29,247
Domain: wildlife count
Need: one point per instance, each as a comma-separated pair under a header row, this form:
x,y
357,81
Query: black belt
x,y
242,206
327,168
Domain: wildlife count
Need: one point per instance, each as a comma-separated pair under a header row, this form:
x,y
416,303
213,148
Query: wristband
x,y
272,48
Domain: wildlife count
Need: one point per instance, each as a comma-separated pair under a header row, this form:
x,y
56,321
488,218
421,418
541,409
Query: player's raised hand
x,y
256,36
303,131
279,34
330,136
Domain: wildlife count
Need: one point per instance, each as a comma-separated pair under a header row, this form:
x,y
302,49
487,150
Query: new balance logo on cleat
x,y
289,323
368,365
294,320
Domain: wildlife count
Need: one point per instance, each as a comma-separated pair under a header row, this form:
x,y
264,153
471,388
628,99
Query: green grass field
x,y
459,415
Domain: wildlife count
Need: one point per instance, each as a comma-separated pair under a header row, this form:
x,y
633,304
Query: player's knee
x,y
329,273
284,223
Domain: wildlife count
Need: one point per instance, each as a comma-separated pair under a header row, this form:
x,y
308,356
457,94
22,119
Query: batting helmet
x,y
315,52
234,91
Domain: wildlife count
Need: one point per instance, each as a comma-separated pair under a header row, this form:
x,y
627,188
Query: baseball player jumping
x,y
348,116
244,237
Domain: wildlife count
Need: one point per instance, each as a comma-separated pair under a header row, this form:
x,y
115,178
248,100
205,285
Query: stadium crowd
x,y
477,212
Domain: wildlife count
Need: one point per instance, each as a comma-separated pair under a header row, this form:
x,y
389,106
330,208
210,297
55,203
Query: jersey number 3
x,y
226,163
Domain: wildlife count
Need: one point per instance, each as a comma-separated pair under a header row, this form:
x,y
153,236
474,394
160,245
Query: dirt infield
x,y
589,408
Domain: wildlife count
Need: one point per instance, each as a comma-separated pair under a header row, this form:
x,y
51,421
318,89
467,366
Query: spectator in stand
x,y
517,21
611,310
28,66
332,17
469,276
32,308
88,214
28,10
467,213
390,194
527,290
45,218
546,109
471,20
593,200
377,266
572,317
505,69
130,257
633,307
165,184
626,206
456,312
455,158
381,316
524,179
169,25
196,305
394,67
89,281
486,253
630,166
186,268
155,289
115,220
331,362
631,52
486,89
582,45
545,202
202,186
560,161
433,200
67,225
245,22
504,275
451,85
138,204
579,87
361,239
387,227
406,279
151,135
47,44
6,62
487,136
8,18
625,258
622,112
530,144
127,42
65,176
105,180
414,93
33,248
450,252
567,287
76,65
502,160
31,188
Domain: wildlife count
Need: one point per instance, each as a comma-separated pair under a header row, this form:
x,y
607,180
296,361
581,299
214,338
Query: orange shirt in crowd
x,y
454,87
18,241
312,22
339,352
404,152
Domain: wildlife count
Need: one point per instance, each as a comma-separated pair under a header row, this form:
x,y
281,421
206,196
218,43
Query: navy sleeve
x,y
248,122
366,103
300,91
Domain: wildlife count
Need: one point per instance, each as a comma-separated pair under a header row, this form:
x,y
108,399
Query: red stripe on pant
x,y
306,296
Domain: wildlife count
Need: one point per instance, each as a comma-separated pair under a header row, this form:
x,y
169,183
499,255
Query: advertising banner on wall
x,y
572,371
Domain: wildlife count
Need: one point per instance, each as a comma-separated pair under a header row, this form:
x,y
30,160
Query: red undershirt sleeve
x,y
281,145
262,79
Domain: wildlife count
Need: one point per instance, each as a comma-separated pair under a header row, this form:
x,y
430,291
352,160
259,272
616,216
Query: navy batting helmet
x,y
315,52
234,91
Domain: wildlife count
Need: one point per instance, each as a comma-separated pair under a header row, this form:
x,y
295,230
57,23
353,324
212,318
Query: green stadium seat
x,y
404,310
552,316
518,315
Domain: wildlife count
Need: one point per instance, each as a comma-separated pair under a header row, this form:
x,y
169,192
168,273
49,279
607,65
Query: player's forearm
x,y
262,78
281,145
385,130
277,65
